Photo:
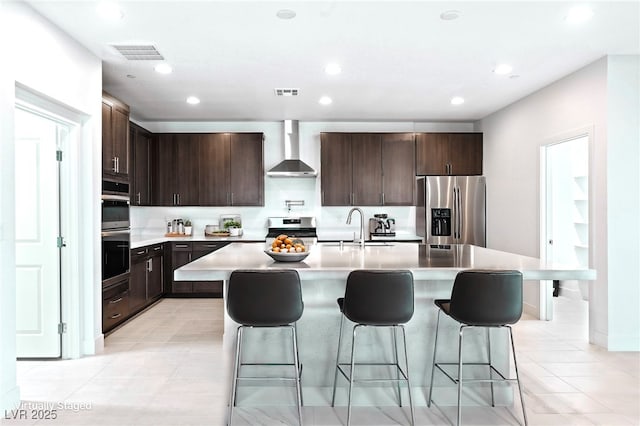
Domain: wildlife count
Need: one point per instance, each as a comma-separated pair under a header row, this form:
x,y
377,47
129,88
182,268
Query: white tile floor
x,y
165,368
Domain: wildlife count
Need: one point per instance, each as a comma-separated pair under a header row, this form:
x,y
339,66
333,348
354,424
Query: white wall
x,y
277,190
623,198
47,61
512,140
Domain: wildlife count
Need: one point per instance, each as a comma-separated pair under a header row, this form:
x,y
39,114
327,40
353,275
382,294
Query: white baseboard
x,y
94,347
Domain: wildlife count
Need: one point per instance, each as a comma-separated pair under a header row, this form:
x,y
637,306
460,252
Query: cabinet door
x,y
187,167
215,170
108,157
465,154
138,284
154,274
432,153
165,175
180,255
335,169
140,166
398,169
120,119
247,169
366,157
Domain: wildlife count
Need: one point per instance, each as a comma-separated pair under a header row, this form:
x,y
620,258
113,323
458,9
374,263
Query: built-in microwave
x,y
115,212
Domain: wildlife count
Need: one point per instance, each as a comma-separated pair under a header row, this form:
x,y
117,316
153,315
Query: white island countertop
x,y
330,261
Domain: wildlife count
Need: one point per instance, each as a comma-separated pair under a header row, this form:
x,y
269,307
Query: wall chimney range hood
x,y
291,166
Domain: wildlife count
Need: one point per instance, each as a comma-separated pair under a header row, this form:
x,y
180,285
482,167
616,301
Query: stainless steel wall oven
x,y
115,233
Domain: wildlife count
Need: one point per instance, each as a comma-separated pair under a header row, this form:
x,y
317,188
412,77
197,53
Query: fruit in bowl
x,y
283,244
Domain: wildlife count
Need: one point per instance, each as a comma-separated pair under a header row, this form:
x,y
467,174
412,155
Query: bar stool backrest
x,y
377,297
264,298
487,297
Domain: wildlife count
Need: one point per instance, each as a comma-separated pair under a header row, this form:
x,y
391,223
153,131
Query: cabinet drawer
x,y
115,308
181,246
139,254
155,249
208,246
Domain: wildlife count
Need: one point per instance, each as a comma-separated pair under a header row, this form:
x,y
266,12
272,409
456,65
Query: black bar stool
x,y
376,298
259,298
481,298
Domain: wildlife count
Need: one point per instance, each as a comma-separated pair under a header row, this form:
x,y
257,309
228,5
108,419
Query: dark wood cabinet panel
x,y
176,169
138,283
215,170
208,169
115,138
449,154
155,273
115,305
183,253
367,169
247,169
398,169
336,169
140,171
366,157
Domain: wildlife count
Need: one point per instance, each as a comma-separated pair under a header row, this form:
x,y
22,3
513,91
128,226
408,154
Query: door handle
x,y
550,242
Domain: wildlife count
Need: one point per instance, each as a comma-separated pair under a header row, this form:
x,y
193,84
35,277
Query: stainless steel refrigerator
x,y
451,210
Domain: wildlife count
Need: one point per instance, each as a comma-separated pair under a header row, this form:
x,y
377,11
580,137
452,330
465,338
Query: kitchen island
x,y
323,274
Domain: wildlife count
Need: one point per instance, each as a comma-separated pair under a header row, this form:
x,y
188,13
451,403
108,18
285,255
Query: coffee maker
x,y
381,226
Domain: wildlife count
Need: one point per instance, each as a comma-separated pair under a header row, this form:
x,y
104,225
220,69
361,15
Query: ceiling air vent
x,y
139,52
286,92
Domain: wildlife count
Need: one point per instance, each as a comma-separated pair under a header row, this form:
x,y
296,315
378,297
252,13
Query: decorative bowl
x,y
287,257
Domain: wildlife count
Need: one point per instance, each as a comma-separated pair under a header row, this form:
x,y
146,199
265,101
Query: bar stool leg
x,y
406,361
493,402
395,360
515,366
234,380
352,372
296,365
433,365
295,329
335,377
458,422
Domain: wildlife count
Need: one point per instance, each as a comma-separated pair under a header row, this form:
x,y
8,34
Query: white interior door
x,y
567,207
37,229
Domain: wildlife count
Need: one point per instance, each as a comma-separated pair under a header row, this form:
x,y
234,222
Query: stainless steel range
x,y
300,227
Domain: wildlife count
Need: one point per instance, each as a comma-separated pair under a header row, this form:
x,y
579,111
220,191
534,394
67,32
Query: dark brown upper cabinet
x,y
176,169
367,169
231,169
140,165
115,138
449,154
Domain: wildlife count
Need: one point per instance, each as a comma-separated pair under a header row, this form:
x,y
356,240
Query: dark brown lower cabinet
x,y
185,252
115,305
145,282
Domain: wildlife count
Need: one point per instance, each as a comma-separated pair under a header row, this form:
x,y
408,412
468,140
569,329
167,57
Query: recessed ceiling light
x,y
163,68
333,69
457,100
325,100
131,76
579,14
450,15
502,69
110,11
286,14
514,76
193,100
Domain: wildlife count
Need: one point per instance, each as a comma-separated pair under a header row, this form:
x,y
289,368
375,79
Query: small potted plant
x,y
187,227
234,228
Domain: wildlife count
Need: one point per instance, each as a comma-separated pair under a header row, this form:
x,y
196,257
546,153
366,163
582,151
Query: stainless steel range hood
x,y
291,166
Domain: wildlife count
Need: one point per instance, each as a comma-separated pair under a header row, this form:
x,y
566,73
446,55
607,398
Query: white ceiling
x,y
399,60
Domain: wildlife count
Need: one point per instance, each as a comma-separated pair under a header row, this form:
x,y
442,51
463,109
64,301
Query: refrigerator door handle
x,y
458,207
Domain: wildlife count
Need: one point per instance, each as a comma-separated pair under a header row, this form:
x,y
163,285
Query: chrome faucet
x,y
361,239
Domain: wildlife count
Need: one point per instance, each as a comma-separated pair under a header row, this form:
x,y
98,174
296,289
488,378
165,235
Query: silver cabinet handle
x,y
232,198
383,198
178,199
182,245
115,164
138,198
115,316
149,265
113,302
141,252
157,248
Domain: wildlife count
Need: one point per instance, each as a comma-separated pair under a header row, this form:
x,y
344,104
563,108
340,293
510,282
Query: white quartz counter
x,y
141,240
330,261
